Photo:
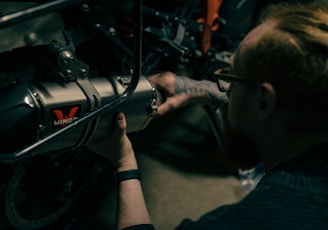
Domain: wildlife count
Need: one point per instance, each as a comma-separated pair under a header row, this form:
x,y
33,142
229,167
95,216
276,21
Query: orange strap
x,y
210,21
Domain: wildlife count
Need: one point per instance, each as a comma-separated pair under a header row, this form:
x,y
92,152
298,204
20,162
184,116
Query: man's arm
x,y
180,90
131,210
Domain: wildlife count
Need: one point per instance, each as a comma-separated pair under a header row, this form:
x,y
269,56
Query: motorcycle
x,y
68,66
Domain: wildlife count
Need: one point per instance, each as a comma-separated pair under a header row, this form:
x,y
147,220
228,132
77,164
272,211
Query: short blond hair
x,y
293,57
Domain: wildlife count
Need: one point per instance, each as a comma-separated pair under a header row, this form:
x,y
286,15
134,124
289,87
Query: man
x,y
276,114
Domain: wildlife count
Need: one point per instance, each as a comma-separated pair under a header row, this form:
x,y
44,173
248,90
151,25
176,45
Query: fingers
x,y
173,103
164,109
163,81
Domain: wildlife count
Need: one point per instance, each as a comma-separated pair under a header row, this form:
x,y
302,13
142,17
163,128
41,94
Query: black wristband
x,y
126,175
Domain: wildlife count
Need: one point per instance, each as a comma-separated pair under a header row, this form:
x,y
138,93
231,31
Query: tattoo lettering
x,y
203,91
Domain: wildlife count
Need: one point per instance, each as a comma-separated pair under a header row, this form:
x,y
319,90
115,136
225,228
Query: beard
x,y
239,148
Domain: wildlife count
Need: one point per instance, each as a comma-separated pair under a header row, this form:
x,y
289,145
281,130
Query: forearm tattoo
x,y
203,91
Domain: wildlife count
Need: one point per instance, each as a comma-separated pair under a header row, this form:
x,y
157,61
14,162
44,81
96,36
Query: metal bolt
x,y
31,38
69,73
112,30
41,128
85,8
84,72
66,57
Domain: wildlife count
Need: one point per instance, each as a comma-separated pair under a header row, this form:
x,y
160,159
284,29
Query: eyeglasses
x,y
224,77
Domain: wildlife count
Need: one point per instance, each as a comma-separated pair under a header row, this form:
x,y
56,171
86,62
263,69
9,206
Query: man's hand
x,y
173,98
117,148
179,91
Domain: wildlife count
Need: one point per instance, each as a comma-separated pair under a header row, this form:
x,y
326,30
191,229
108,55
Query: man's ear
x,y
267,99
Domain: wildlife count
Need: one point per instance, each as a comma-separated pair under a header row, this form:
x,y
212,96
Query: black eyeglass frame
x,y
229,78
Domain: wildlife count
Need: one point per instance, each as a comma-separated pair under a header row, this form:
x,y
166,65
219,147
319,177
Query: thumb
x,y
120,124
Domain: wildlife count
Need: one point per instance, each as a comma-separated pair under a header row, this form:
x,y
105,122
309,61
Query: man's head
x,y
286,60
